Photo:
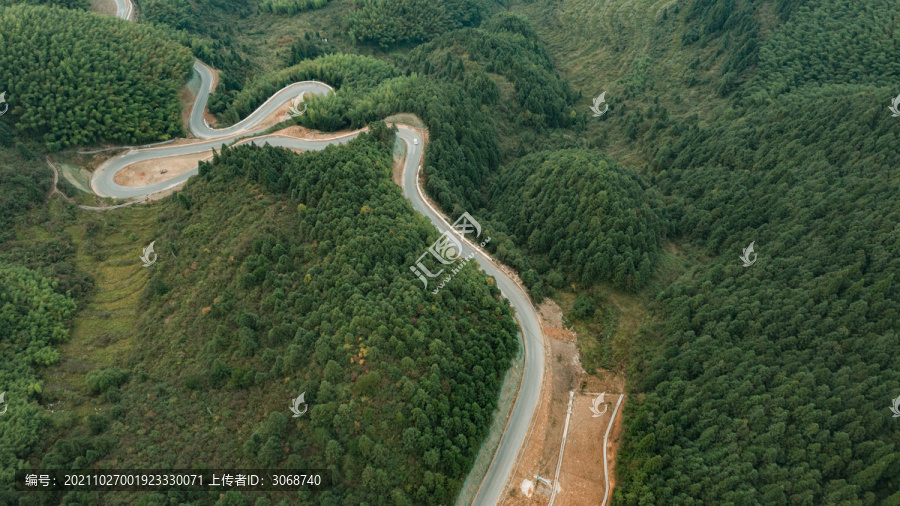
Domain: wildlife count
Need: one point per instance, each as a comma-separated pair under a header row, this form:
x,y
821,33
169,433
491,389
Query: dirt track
x,y
581,478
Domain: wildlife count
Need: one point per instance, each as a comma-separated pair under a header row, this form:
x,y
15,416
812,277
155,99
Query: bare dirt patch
x,y
551,313
300,132
530,460
277,116
210,119
187,105
563,375
397,171
552,317
612,447
106,7
406,119
581,478
151,171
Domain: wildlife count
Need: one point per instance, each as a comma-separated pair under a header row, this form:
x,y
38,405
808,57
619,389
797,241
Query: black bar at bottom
x,y
172,479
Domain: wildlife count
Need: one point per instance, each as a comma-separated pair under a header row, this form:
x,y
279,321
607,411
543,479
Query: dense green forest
x,y
767,384
849,44
25,180
773,382
33,319
290,6
306,48
388,22
345,72
591,218
38,288
508,47
789,363
128,93
67,4
306,289
177,14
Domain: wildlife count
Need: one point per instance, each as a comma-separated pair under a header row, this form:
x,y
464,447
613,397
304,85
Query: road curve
x,y
103,180
124,9
518,425
200,128
493,487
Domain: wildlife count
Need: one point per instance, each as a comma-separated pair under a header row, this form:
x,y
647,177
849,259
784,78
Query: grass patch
x,y
107,247
265,39
632,50
621,319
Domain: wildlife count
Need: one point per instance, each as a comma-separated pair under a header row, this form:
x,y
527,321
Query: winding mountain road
x,y
519,423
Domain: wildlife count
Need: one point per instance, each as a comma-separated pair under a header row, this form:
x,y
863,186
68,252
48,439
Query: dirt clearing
x,y
581,478
151,171
107,7
279,115
299,132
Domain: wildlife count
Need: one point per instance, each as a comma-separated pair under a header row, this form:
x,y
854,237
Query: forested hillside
x,y
388,22
34,318
25,181
458,103
791,361
290,6
592,219
341,71
304,287
848,43
39,286
730,121
508,47
773,382
463,149
67,4
177,14
125,92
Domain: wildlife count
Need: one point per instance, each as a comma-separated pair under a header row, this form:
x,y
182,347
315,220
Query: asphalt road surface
x,y
493,487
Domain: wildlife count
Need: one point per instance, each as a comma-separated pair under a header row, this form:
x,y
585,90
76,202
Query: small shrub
x,y
101,380
97,423
192,383
583,307
219,373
